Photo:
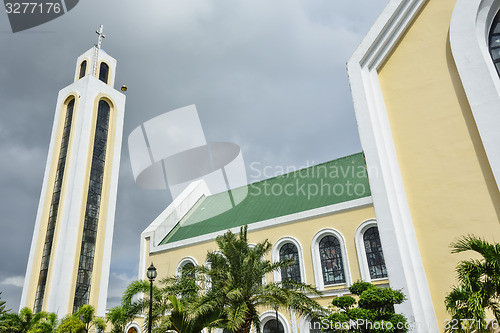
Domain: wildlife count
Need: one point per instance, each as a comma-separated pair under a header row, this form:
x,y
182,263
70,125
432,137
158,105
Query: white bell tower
x,y
69,260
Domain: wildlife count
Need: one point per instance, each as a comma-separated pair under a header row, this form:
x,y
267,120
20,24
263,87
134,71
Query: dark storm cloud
x,y
269,76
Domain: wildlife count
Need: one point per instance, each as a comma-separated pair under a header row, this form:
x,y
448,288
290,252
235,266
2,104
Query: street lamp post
x,y
151,276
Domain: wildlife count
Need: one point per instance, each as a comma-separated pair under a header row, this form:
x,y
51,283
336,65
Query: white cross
x,y
97,47
101,36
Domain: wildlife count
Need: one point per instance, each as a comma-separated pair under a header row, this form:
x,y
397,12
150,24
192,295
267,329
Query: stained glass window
x,y
494,42
332,266
54,208
292,272
270,327
374,254
187,270
87,252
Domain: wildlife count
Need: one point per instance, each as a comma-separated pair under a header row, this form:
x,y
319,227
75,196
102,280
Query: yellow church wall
x,y
345,222
448,182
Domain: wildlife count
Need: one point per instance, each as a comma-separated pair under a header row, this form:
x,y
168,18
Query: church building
x,y
426,90
70,254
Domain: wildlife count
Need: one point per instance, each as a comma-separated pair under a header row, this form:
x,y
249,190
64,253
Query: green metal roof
x,y
325,184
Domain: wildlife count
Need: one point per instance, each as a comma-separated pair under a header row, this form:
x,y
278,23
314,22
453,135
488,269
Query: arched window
x,y
54,207
133,327
289,251
91,221
273,326
374,254
188,270
104,72
332,266
83,69
494,42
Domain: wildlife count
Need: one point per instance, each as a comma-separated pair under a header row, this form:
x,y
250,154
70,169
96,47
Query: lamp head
x,y
151,272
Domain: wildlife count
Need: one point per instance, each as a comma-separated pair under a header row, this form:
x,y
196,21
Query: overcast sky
x,y
267,75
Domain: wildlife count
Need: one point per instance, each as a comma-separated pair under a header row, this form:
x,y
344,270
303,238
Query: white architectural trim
x,y
292,218
316,260
397,234
276,256
133,325
304,324
270,315
469,30
361,250
331,293
208,281
118,107
168,219
60,107
184,261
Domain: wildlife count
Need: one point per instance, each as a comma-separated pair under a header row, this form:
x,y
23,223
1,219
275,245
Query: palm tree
x,y
2,306
71,324
227,294
479,285
236,287
82,321
119,316
181,319
47,325
27,322
134,303
165,301
86,314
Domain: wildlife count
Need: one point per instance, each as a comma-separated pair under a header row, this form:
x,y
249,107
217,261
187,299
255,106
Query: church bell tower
x,y
70,254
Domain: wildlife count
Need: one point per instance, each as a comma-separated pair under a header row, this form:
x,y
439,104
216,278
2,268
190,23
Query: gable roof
x,y
325,184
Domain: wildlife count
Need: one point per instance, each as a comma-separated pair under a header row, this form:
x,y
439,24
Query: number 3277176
x,y
455,324
32,8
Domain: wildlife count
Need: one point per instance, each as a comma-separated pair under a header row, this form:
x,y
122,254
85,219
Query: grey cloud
x,y
268,76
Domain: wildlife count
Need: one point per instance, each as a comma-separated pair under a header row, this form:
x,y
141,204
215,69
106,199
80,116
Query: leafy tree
x,y
10,323
226,294
138,305
181,321
374,311
236,287
119,316
86,315
48,324
478,288
27,322
2,306
82,321
71,324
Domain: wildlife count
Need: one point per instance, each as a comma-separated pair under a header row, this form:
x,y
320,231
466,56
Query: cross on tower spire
x,y
97,48
101,36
